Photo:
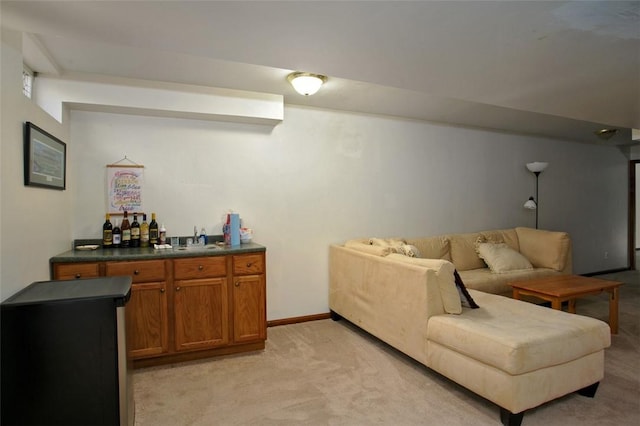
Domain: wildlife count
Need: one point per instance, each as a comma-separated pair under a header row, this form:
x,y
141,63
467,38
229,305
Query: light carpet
x,y
332,373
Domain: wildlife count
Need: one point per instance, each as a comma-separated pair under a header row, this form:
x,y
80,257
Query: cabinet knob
x,y
178,288
136,272
249,264
77,276
162,290
200,267
237,284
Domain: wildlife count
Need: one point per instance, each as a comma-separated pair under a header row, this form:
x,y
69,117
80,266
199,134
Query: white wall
x,y
323,176
318,178
35,223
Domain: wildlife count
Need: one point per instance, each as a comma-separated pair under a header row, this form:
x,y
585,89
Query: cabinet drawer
x,y
200,267
76,270
144,271
247,264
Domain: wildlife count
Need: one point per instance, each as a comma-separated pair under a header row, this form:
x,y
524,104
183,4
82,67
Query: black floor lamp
x,y
532,203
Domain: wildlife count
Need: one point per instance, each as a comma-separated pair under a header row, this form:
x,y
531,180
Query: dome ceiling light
x,y
606,134
306,83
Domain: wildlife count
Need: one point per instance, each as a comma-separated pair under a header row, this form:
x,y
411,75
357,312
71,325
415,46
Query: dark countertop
x,y
149,253
47,292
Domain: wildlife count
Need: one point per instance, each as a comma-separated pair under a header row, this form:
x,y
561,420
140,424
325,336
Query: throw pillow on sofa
x,y
396,245
501,258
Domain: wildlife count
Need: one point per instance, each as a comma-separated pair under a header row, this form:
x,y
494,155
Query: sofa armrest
x,y
389,299
546,249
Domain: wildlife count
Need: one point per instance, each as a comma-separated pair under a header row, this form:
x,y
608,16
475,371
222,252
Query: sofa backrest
x,y
432,247
544,249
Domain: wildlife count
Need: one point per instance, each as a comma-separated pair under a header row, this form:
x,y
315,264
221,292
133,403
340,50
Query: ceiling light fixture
x,y
606,134
306,83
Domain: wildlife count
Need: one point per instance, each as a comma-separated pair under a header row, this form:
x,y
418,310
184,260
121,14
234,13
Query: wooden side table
x,y
560,288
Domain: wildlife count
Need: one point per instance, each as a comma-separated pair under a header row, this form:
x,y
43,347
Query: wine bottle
x,y
107,232
153,230
126,232
117,235
144,232
135,231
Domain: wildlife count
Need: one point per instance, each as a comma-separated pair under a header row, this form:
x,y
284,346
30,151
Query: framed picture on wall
x,y
45,159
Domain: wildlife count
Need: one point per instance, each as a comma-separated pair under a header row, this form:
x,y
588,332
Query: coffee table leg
x,y
516,294
613,310
572,306
556,304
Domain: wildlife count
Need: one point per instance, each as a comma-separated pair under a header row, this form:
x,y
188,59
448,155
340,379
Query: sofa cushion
x,y
485,280
501,258
516,336
446,284
544,249
463,251
432,247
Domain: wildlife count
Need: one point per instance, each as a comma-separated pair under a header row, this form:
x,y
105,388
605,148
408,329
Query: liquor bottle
x,y
144,232
126,232
153,230
117,235
135,231
107,232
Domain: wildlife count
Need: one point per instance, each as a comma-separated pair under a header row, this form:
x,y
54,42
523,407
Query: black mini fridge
x,y
64,354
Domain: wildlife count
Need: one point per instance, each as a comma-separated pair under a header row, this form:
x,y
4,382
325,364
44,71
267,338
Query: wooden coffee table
x,y
560,288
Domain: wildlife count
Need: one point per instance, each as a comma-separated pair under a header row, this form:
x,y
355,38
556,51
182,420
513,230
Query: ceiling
x,y
551,68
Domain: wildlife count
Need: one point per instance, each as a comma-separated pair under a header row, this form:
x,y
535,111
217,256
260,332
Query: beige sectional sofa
x,y
513,353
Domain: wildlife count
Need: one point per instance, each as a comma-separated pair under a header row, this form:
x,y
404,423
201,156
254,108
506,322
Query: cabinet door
x,y
147,320
201,313
249,317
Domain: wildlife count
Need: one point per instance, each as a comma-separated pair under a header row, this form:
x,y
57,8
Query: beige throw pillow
x,y
501,258
396,245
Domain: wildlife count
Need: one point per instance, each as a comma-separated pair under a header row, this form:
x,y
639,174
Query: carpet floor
x,y
332,373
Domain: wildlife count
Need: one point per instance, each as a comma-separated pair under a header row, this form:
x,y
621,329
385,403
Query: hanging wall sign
x,y
125,184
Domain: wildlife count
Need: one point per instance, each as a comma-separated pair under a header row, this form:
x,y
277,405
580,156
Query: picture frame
x,y
45,159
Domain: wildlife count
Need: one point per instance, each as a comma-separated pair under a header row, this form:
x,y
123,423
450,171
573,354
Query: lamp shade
x,y
306,83
537,166
530,204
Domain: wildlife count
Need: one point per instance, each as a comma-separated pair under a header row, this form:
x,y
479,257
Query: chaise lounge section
x,y
513,353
